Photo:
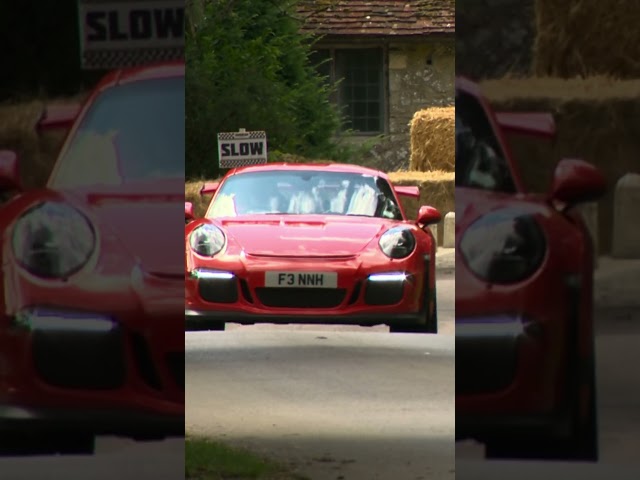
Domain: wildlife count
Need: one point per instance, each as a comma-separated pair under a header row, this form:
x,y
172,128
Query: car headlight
x,y
397,242
504,247
53,240
207,240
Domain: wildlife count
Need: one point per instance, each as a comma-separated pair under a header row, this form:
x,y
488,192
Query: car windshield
x,y
306,192
480,162
131,132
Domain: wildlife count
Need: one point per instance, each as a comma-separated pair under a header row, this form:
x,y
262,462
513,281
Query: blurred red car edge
x,y
525,356
99,350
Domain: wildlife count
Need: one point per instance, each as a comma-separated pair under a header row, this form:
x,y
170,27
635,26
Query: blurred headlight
x,y
504,247
397,242
53,240
207,240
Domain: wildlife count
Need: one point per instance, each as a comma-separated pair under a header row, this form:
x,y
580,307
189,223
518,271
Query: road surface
x,y
332,401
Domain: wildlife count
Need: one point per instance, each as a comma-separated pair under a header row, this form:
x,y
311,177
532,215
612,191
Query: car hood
x,y
304,236
144,218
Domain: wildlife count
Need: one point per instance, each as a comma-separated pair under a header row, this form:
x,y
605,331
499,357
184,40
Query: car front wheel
x,y
430,326
47,443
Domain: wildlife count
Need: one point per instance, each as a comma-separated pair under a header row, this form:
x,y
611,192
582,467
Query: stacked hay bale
x,y
432,162
433,140
436,189
586,37
597,119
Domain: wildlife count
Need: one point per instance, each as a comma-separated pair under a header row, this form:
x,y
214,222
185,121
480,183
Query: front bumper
x,y
205,320
504,369
114,382
403,296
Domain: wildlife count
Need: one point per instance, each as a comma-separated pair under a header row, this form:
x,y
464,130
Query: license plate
x,y
301,279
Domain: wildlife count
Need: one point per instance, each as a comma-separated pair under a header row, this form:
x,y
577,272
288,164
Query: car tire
x,y
582,445
431,325
209,326
49,443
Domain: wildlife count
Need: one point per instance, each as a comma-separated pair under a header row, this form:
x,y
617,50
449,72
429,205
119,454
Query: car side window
x,y
480,162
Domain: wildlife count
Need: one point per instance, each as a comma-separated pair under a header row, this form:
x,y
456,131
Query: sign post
x,y
129,33
238,149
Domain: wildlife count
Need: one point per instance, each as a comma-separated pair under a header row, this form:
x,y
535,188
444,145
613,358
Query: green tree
x,y
40,50
247,66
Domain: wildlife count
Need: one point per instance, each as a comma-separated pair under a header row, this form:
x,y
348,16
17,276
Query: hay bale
x,y
437,189
597,120
586,37
292,158
433,139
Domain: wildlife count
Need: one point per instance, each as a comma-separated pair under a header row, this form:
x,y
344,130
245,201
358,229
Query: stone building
x,y
391,58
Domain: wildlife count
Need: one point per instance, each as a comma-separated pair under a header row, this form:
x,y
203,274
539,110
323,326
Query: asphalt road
x,y
334,402
618,357
115,458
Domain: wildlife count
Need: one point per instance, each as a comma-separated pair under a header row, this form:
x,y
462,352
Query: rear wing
x,y
209,188
407,191
55,117
528,123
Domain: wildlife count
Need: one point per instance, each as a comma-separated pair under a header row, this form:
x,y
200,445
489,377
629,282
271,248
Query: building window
x,y
360,91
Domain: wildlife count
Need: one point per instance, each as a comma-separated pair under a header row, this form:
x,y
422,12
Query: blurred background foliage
x,y
40,50
248,67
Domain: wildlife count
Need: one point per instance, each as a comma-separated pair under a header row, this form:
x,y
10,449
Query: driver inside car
x,y
258,197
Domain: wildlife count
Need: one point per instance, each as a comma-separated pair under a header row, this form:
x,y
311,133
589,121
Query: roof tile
x,y
377,17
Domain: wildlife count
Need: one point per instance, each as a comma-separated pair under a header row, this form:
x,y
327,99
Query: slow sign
x,y
236,149
125,33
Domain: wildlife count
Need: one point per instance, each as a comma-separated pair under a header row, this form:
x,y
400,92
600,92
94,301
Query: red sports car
x,y
525,382
314,243
91,334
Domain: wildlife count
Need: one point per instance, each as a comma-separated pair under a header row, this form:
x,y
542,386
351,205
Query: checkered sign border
x,y
242,135
113,59
234,162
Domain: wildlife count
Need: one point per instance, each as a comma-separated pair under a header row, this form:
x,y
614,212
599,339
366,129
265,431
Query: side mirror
x,y
9,171
428,215
576,181
188,212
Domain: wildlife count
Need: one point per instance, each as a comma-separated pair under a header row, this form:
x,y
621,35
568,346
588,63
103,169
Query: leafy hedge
x,y
248,67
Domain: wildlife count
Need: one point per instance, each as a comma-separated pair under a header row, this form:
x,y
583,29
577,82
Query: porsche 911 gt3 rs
x,y
91,338
317,243
525,355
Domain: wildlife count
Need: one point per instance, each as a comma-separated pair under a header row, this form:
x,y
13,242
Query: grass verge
x,y
206,459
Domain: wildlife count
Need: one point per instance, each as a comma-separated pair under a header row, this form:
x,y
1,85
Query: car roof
x,y
326,167
148,72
